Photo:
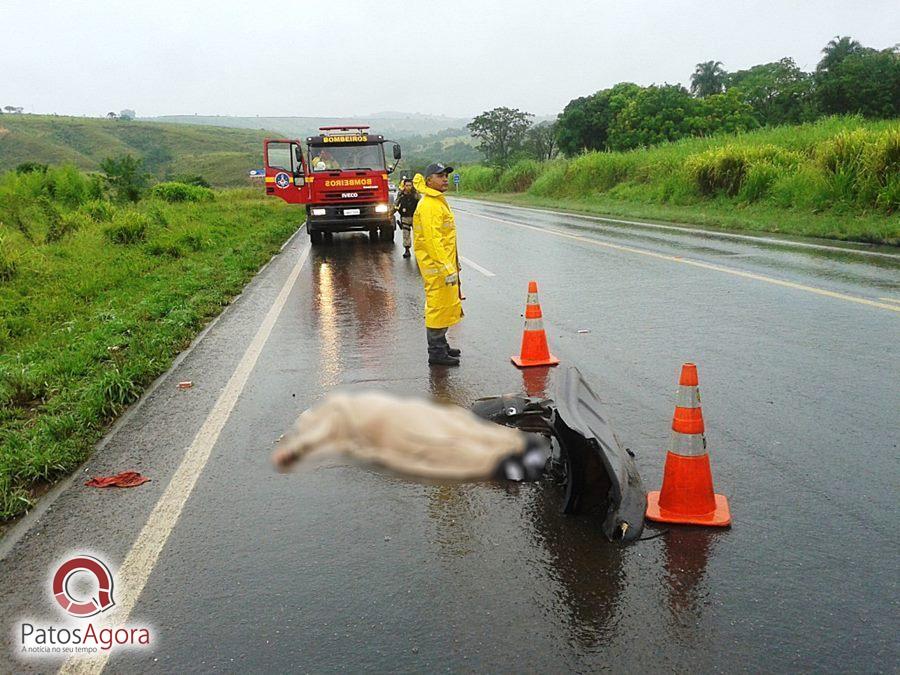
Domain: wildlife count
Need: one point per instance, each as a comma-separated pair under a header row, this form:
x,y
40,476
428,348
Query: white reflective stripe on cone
x,y
688,397
534,324
687,445
532,299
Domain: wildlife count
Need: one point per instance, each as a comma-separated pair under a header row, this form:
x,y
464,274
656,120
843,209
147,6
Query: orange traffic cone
x,y
687,491
535,351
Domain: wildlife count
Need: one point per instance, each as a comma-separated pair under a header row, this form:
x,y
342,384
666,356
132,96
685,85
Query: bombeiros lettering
x,y
345,139
347,182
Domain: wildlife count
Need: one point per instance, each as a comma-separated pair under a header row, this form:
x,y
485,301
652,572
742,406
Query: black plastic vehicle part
x,y
599,476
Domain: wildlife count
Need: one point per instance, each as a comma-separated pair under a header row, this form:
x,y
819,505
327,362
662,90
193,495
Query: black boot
x,y
453,352
443,360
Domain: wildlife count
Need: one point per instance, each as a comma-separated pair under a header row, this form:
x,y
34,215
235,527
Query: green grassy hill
x,y
394,125
223,156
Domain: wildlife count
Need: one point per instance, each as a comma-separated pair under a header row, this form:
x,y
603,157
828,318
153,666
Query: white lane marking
x,y
142,557
476,266
702,265
689,230
895,300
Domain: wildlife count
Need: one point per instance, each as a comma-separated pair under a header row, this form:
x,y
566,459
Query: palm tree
x,y
708,78
837,50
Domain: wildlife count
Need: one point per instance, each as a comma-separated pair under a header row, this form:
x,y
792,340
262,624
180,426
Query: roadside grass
x,y
97,299
838,178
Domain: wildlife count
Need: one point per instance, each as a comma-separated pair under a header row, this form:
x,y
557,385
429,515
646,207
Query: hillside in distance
x,y
220,154
393,125
223,156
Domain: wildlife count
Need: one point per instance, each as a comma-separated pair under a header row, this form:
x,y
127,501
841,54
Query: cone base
x,y
721,517
525,363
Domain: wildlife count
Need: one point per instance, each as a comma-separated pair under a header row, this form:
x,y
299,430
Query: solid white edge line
x,y
689,230
702,265
475,266
141,559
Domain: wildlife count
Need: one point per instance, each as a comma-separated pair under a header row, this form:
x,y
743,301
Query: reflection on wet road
x,y
840,262
344,568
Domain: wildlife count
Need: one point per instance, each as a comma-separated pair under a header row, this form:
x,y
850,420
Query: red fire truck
x,y
342,178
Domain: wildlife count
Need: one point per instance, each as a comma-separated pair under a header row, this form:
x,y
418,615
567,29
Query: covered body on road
x,y
414,437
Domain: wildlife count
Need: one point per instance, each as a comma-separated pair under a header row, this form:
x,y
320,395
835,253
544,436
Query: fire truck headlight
x,y
381,208
318,212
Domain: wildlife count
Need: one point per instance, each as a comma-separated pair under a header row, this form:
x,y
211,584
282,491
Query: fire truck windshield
x,y
346,157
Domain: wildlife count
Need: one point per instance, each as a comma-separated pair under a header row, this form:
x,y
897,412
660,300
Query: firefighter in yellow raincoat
x,y
434,241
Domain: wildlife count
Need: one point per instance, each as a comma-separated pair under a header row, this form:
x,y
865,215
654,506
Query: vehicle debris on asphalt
x,y
125,479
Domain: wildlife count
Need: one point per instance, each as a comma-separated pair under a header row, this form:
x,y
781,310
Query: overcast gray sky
x,y
346,57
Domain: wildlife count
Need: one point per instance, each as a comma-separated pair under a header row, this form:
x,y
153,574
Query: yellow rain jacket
x,y
434,240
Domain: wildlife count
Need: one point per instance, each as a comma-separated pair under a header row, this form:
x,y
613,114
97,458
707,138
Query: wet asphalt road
x,y
346,569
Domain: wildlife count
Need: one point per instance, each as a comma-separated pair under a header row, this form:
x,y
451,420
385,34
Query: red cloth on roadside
x,y
124,479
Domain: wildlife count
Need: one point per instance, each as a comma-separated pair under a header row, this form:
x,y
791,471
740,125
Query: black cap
x,y
437,168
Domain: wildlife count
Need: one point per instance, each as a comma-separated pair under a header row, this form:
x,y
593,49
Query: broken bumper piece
x,y
599,476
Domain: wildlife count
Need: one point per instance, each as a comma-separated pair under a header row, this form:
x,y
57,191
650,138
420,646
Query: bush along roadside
x,y
837,178
97,298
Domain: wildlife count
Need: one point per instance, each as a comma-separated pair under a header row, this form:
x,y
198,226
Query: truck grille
x,y
342,195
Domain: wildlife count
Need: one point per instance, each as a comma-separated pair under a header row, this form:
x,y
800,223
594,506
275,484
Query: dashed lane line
x,y
475,266
139,563
697,263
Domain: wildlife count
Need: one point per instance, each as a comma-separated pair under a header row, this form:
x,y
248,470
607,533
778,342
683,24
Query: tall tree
x,y
779,92
541,141
728,113
708,79
866,82
838,49
657,113
584,123
502,133
125,176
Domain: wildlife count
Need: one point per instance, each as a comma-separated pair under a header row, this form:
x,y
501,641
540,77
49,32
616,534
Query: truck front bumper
x,y
341,218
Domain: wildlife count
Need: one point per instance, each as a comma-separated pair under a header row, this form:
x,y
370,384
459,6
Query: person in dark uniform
x,y
405,205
